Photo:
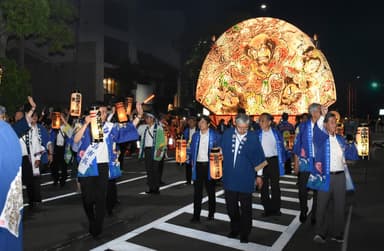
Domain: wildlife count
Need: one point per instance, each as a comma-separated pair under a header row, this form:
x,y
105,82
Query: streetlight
x,y
263,6
374,85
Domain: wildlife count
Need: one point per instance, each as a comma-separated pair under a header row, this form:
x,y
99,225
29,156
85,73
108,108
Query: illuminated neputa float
x,y
264,65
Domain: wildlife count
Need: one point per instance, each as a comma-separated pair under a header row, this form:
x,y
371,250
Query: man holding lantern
x,y
202,143
243,156
95,142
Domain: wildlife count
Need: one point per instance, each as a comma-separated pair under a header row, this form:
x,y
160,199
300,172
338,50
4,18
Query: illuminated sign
x,y
381,112
264,65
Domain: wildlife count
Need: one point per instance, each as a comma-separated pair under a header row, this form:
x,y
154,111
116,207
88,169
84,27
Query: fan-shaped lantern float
x,y
264,65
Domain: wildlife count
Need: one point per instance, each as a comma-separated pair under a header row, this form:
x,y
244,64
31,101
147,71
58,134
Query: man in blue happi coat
x,y
303,149
273,146
242,157
331,178
98,162
11,192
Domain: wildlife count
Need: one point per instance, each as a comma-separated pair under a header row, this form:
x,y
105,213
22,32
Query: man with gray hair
x,y
242,157
304,157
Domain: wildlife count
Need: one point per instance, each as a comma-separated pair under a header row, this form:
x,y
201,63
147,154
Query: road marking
x,y
260,207
150,225
290,176
346,230
288,182
255,223
170,185
287,235
130,180
293,190
74,193
284,198
124,246
209,237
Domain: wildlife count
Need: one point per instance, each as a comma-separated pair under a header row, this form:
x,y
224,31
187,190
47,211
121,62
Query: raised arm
x,y
79,134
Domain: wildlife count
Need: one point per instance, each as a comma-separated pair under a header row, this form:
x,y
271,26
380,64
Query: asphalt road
x,y
161,222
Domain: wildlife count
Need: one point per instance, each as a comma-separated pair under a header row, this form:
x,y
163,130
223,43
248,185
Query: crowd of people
x,y
255,156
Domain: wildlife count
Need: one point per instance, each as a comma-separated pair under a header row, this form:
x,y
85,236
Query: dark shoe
x,y
232,235
244,239
211,218
337,239
303,215
55,183
195,220
313,221
149,191
319,239
187,183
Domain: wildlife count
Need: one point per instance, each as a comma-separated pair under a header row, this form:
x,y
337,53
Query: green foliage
x,y
59,34
25,17
46,21
14,87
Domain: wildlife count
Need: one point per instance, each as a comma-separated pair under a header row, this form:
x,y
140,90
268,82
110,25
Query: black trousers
x,y
202,179
271,198
152,168
161,169
188,173
94,194
31,182
59,165
303,194
111,195
241,218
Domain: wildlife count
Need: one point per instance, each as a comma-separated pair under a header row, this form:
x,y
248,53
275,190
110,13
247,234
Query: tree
x,y
14,87
45,21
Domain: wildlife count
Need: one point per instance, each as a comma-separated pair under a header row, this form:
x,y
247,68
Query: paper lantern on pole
x,y
56,119
215,163
121,112
75,108
96,125
362,141
129,105
181,151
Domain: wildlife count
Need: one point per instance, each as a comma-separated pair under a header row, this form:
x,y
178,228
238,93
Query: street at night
x,y
191,125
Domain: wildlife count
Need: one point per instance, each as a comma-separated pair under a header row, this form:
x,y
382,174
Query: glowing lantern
x,y
129,105
215,163
75,108
362,141
181,150
121,112
56,119
96,125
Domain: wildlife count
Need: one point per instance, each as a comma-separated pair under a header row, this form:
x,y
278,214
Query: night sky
x,y
350,33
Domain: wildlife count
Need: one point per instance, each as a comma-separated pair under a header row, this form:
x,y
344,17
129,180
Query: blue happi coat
x,y
189,140
320,181
213,141
11,194
113,133
240,176
303,146
281,155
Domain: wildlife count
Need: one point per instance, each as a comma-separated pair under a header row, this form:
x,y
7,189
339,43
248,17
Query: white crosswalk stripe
x,y
285,231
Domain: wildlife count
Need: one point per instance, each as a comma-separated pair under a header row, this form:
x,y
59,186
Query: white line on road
x,y
260,207
74,193
170,185
255,223
284,198
346,230
288,182
209,237
124,246
144,228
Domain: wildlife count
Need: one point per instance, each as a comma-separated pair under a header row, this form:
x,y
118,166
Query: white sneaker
x,y
319,239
